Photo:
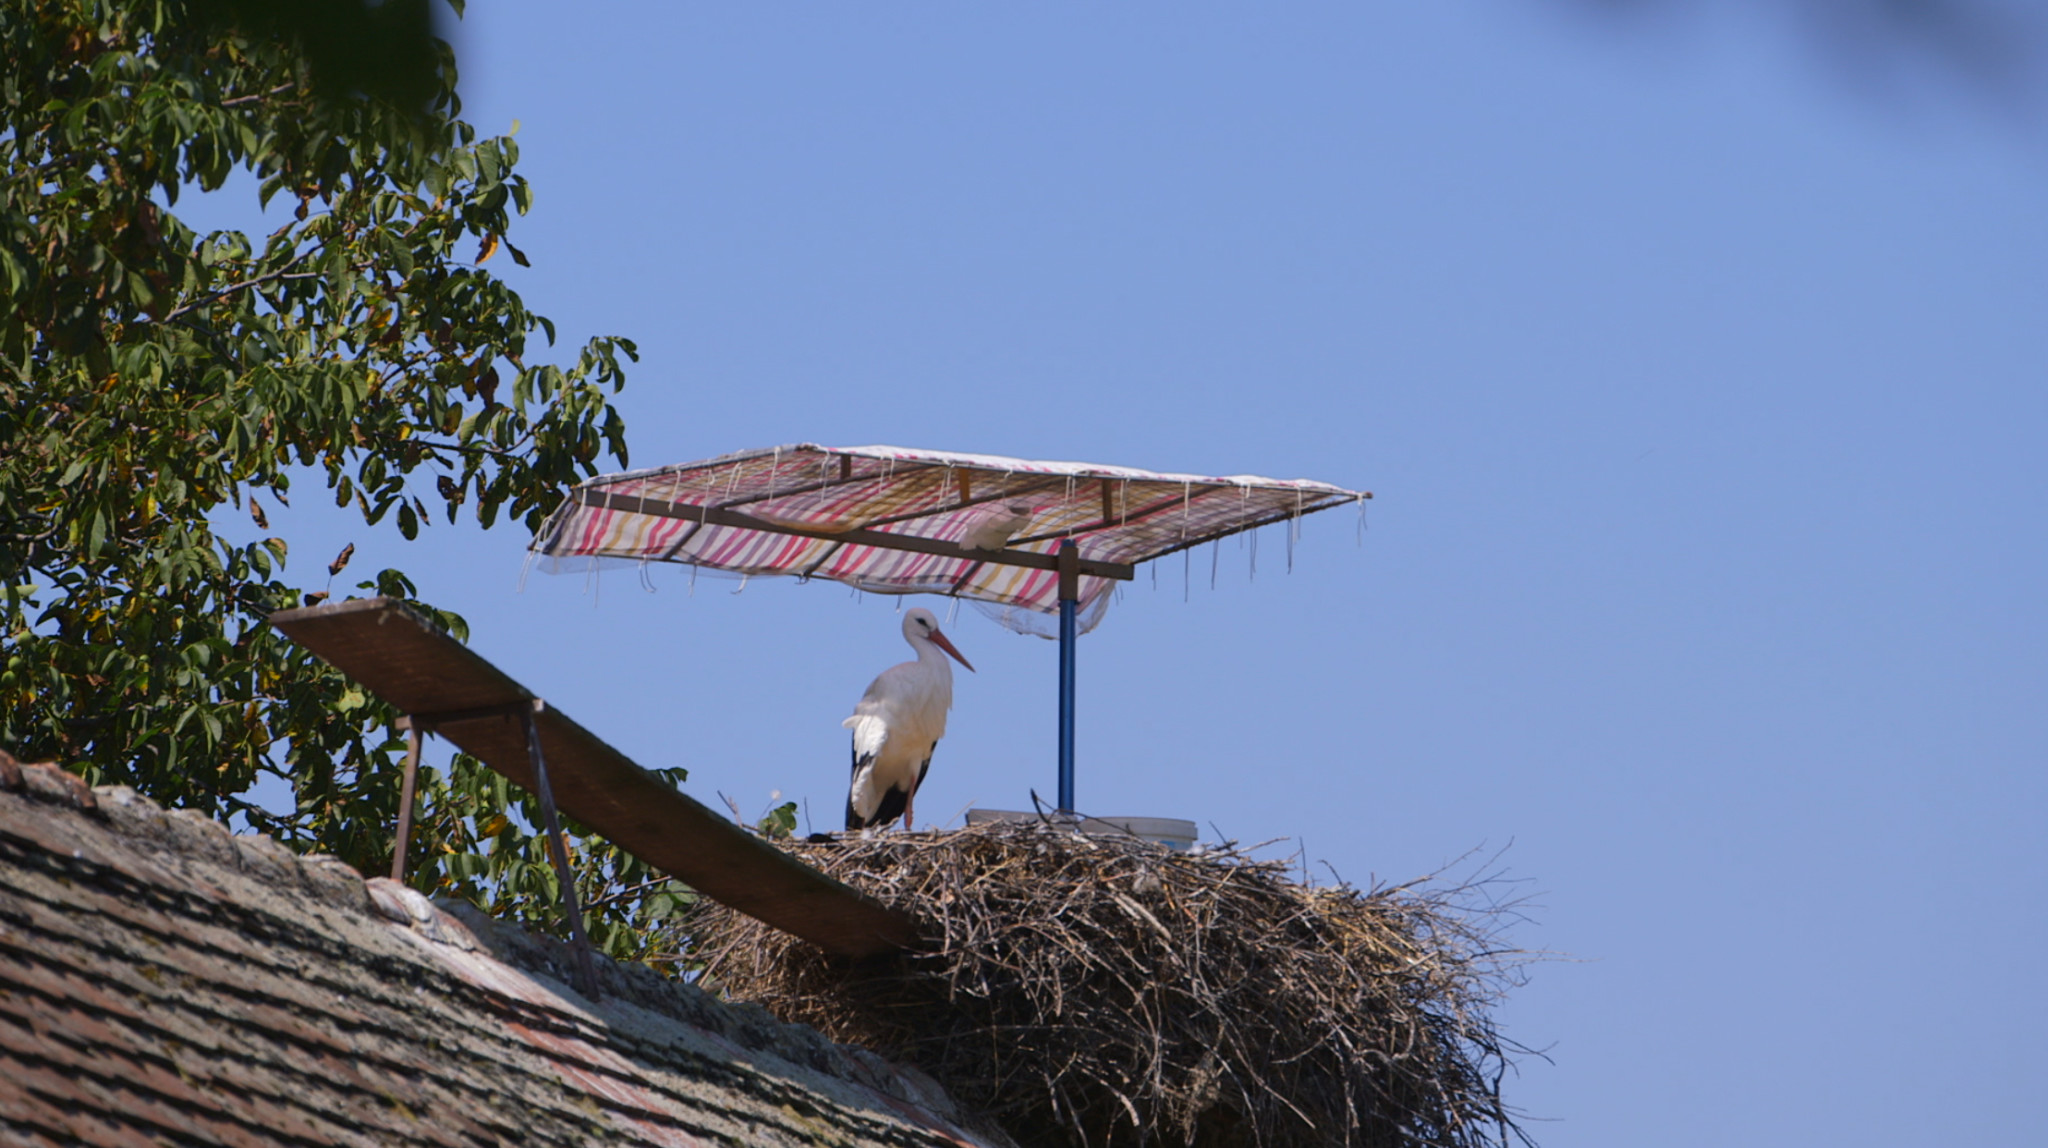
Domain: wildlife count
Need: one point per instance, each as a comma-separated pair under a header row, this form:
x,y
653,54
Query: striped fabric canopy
x,y
895,521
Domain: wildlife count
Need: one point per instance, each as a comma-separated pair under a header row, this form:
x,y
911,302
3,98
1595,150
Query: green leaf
x,y
153,375
780,821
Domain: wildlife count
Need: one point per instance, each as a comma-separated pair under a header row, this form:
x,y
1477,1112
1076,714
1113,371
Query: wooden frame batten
x,y
715,516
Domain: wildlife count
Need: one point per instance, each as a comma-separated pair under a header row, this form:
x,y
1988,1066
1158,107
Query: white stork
x,y
897,724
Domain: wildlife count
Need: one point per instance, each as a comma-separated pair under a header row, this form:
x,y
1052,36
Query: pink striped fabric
x,y
1113,514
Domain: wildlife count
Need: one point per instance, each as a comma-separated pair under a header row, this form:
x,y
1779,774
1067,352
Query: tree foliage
x,y
152,378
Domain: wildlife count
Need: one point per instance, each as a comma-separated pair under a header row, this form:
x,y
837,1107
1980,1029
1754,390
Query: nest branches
x,y
1106,990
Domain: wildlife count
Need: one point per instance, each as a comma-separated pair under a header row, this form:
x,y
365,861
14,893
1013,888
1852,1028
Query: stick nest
x,y
1108,990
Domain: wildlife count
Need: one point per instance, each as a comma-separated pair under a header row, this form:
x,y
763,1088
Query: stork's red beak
x,y
939,640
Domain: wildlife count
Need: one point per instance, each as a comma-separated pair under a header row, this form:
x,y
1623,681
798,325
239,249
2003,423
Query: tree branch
x,y
54,527
257,97
486,451
281,275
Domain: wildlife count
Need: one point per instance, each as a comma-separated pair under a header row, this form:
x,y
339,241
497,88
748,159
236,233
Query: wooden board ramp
x,y
443,685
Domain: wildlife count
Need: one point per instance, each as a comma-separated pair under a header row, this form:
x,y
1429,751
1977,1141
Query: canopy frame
x,y
860,536
597,521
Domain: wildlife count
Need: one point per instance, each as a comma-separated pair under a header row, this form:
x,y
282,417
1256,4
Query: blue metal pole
x,y
1070,592
1067,611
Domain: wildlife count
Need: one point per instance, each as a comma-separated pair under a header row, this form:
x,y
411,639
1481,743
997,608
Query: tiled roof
x,y
164,982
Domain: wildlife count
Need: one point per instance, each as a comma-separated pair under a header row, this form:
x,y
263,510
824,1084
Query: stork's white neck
x,y
928,652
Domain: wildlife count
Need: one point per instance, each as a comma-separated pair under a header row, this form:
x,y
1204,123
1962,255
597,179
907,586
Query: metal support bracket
x,y
406,797
558,851
584,974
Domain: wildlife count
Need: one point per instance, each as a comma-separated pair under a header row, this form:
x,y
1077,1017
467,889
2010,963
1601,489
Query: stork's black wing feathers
x,y
853,818
891,808
894,802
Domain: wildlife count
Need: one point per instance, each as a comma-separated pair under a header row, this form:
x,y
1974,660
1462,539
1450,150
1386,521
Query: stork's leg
x,y
909,812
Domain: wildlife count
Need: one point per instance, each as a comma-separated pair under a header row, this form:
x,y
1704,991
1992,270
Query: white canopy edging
x,y
893,520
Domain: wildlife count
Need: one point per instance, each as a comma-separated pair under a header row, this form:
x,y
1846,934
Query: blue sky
x,y
1698,380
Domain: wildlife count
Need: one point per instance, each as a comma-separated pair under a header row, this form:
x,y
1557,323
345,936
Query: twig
x,y
254,97
622,894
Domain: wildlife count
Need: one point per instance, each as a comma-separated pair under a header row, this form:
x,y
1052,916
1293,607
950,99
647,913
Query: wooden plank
x,y
1120,571
400,657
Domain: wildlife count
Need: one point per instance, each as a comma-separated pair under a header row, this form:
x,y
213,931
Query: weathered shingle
x,y
164,982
